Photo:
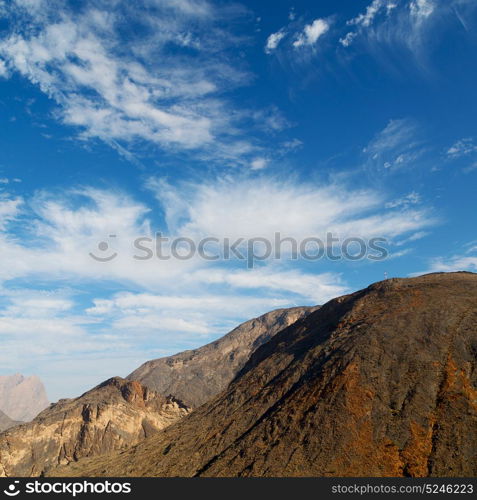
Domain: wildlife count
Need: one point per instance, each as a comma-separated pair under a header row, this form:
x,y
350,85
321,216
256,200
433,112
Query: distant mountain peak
x,y
22,398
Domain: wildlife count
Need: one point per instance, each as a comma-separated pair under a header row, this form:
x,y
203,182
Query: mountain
x,y
6,422
22,398
196,376
113,415
382,382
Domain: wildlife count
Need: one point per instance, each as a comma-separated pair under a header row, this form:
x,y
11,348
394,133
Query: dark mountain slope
x,y
379,383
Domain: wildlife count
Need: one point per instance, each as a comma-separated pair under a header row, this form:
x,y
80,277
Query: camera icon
x,y
103,246
12,490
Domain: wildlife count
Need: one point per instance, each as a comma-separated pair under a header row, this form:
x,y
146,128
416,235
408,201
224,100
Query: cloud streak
x,y
166,86
386,26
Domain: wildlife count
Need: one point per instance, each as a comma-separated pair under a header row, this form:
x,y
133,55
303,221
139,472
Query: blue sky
x,y
203,118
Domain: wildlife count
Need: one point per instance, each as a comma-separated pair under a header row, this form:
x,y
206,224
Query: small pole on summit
x,y
385,276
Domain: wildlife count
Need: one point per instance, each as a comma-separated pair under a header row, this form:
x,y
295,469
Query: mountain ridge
x,y
382,382
197,375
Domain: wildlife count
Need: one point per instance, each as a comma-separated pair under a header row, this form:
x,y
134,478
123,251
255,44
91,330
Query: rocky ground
x,y
116,414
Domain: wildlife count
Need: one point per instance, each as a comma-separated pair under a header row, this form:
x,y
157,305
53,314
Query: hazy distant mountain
x,y
113,415
22,398
382,382
6,422
196,376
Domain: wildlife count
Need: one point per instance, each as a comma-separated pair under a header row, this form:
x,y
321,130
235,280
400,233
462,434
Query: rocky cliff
x,y
196,376
22,398
115,414
382,382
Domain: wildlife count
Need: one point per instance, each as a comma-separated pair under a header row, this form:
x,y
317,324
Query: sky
x,y
228,120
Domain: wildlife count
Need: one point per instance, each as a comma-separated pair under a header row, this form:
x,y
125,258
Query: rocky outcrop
x,y
115,414
6,422
22,398
198,375
382,382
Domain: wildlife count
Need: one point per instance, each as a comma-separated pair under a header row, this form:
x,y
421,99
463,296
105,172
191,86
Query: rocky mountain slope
x,y
198,375
22,398
382,382
113,415
6,422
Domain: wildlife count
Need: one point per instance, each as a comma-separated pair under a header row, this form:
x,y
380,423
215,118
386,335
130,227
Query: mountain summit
x,y
382,382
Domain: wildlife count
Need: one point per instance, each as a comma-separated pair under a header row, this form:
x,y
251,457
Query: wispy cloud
x,y
396,147
462,147
389,25
367,18
385,21
64,229
267,205
465,261
167,85
405,201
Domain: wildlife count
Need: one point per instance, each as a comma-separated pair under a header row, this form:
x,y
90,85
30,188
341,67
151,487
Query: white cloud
x,y
414,237
9,210
259,163
395,147
311,33
274,40
405,202
464,259
263,207
292,145
470,168
3,69
348,39
173,305
422,9
193,8
64,230
462,147
191,315
40,322
452,264
124,92
318,288
407,24
366,18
